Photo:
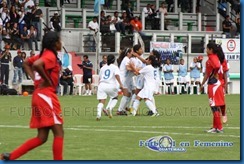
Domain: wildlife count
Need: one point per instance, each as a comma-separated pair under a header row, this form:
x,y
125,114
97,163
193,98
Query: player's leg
x,y
28,145
58,141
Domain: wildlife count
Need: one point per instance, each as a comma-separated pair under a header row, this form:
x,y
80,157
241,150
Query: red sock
x,y
223,110
58,148
24,148
217,120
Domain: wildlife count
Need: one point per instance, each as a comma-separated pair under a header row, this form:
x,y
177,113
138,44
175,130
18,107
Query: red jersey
x,y
221,72
212,68
51,67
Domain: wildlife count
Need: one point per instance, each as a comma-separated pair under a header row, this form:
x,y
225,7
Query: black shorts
x,y
86,79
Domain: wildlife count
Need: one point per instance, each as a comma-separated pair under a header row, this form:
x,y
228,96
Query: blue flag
x,y
96,7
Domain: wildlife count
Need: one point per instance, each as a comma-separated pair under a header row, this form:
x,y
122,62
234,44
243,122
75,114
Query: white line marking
x,y
128,131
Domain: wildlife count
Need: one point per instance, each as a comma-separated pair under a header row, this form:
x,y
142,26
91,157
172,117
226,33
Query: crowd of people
x,y
20,24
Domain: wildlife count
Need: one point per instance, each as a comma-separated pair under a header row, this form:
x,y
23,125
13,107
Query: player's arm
x,y
28,68
38,66
140,58
133,68
119,81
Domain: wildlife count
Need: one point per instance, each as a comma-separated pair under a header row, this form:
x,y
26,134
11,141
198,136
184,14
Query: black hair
x,y
122,55
153,60
220,53
158,58
85,56
212,46
136,47
48,42
110,59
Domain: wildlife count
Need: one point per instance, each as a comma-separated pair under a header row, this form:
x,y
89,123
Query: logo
x,y
161,144
231,45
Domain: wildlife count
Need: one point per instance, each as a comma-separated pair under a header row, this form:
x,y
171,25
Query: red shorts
x,y
46,110
216,94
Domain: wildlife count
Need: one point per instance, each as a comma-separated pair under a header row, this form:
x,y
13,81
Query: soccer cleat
x,y
98,118
122,113
105,112
133,113
219,131
212,130
225,119
5,156
149,113
155,115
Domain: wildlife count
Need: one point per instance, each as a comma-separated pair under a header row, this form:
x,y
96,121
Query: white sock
x,y
132,100
113,104
179,88
87,91
90,91
151,106
108,105
198,89
128,104
99,110
191,90
153,101
135,106
123,102
172,88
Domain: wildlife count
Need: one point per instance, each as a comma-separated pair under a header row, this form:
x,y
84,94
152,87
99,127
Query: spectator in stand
x,y
5,16
18,68
32,35
93,25
55,22
126,22
14,15
15,36
7,34
28,5
154,18
129,11
147,10
21,19
227,26
104,24
3,5
111,24
163,10
32,53
238,24
137,25
119,25
170,3
25,38
36,15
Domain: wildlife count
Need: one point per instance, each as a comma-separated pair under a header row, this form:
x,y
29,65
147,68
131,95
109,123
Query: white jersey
x,y
107,74
125,74
149,75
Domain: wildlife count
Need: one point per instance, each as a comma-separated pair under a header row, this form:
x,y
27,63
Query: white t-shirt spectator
x,y
29,3
93,25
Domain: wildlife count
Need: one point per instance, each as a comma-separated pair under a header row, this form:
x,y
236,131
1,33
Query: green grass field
x,y
182,117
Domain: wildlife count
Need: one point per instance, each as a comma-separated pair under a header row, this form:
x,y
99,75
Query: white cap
x,y
56,12
70,68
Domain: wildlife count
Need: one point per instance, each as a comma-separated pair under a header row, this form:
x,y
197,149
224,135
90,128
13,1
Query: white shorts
x,y
147,93
169,81
139,82
182,79
104,90
195,79
128,84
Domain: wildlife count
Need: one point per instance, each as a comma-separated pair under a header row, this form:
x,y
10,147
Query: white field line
x,y
88,128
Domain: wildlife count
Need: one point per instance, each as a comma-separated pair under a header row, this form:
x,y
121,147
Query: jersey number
x,y
155,74
106,74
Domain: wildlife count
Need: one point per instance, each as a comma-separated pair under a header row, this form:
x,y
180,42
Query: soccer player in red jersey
x,y
223,78
46,111
215,90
